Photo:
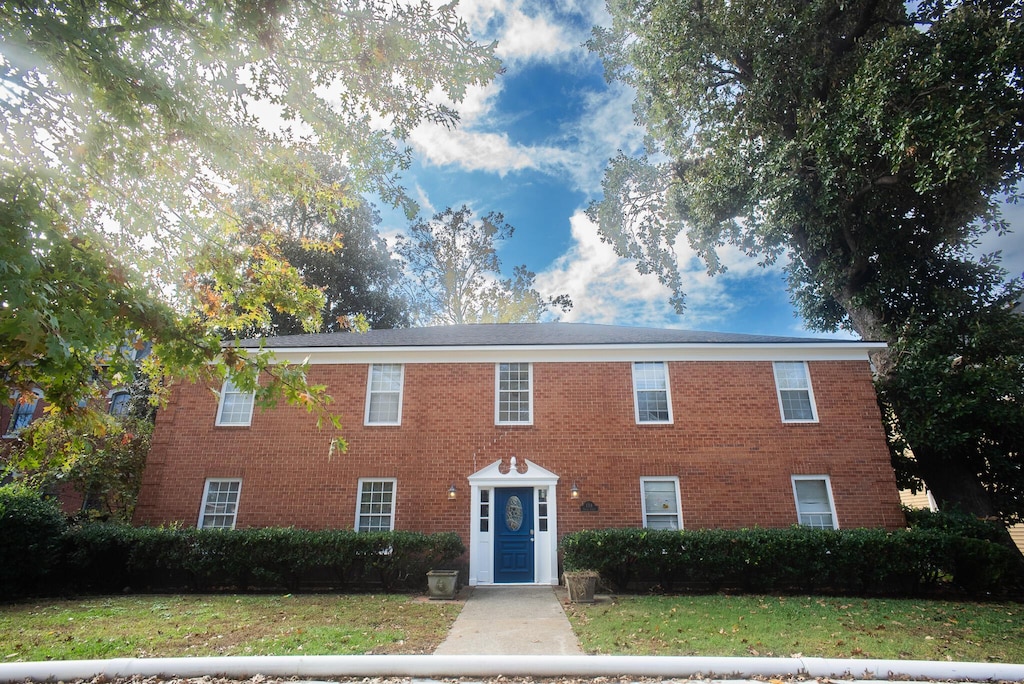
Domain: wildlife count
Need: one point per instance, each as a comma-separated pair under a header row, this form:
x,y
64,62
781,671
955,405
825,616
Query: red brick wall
x,y
728,446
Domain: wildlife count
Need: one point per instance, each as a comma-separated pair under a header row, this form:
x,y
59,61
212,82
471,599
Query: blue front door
x,y
513,535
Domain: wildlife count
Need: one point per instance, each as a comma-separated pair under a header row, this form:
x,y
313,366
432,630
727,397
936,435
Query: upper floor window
x,y
660,500
651,400
235,405
514,394
375,509
384,394
119,403
814,505
23,413
220,504
793,386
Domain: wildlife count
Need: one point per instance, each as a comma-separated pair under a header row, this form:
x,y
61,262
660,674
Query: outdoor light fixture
x,y
575,491
451,492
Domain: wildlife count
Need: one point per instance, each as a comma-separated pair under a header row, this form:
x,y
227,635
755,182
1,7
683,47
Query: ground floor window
x,y
814,505
220,504
375,509
660,500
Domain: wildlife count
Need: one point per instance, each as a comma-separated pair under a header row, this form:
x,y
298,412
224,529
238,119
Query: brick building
x,y
514,435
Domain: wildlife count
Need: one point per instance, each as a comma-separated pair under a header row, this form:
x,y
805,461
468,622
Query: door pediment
x,y
491,476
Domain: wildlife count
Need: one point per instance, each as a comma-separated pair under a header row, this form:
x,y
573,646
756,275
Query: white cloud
x,y
524,32
606,288
482,151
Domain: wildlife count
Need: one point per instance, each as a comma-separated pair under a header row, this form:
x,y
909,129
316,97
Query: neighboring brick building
x,y
607,427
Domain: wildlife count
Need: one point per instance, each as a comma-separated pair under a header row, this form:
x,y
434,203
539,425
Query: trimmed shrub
x,y
854,562
108,557
30,533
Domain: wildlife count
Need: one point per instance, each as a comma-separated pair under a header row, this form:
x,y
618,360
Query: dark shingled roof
x,y
519,334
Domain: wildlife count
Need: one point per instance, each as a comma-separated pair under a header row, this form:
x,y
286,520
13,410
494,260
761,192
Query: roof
x,y
521,334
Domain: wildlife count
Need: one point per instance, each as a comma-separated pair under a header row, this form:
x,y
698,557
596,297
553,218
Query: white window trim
x,y
10,433
636,395
828,490
220,405
206,493
394,498
643,497
369,393
497,395
810,394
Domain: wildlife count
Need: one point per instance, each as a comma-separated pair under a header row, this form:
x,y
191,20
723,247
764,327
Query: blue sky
x,y
532,145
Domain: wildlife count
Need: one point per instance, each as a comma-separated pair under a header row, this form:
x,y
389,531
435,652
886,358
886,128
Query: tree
x,y
126,129
338,251
457,273
865,140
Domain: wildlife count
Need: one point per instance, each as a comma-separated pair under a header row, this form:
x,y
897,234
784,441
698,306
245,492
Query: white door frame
x,y
481,542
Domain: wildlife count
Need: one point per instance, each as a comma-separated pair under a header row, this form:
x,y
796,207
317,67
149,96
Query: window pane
x,y
119,404
813,504
221,505
651,388
661,507
236,406
376,506
791,375
385,395
514,393
796,405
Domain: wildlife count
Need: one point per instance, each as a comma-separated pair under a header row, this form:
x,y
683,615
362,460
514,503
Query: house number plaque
x,y
588,507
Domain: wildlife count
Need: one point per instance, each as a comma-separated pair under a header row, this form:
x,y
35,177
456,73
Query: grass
x,y
162,626
165,626
807,626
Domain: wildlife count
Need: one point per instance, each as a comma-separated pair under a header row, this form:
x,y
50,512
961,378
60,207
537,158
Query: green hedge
x,y
108,557
44,556
854,562
30,531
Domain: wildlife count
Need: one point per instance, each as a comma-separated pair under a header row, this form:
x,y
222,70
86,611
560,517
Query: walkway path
x,y
511,621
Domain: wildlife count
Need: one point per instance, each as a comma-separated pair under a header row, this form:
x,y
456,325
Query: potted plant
x,y
442,584
581,584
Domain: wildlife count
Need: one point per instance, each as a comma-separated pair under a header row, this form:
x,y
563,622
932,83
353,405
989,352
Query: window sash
x,y
793,386
375,507
235,405
651,400
119,403
22,414
514,393
384,394
660,503
220,504
814,504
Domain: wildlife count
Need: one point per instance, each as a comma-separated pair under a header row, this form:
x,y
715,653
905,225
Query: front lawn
x,y
811,626
206,625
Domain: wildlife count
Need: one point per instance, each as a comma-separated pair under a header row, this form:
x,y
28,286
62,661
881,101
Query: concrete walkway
x,y
511,620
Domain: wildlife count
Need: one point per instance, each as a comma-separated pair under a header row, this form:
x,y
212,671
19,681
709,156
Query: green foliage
x,y
337,250
457,273
30,533
955,397
851,562
125,131
103,558
864,140
954,522
99,456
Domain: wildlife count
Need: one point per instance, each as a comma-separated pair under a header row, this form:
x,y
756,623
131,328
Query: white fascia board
x,y
785,351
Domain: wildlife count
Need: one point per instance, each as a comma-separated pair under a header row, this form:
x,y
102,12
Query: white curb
x,y
243,667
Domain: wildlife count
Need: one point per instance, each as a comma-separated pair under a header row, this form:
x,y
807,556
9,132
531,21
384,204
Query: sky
x,y
533,145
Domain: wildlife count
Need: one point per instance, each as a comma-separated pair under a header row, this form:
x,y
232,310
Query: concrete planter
x,y
442,584
581,585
